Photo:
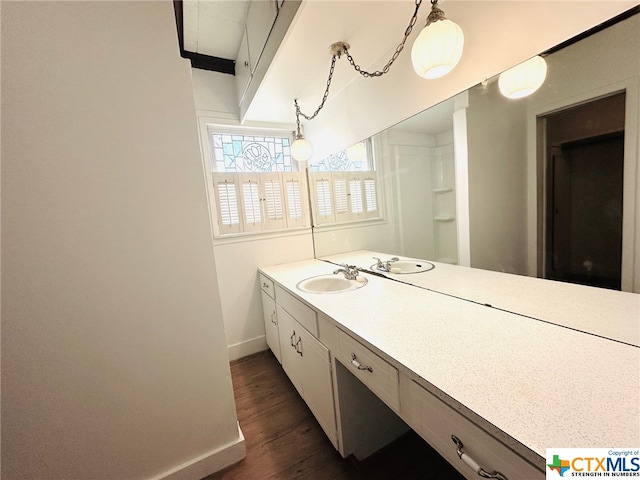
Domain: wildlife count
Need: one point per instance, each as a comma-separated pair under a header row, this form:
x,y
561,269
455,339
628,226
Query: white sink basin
x,y
407,266
330,284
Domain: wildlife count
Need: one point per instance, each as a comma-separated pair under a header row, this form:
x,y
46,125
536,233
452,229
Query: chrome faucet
x,y
350,271
386,265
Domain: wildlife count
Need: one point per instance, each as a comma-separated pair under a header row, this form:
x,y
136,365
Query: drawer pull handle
x,y
273,314
265,285
299,342
358,365
291,338
473,464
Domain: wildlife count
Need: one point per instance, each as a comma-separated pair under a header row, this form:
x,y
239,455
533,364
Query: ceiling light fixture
x,y
438,48
523,79
436,53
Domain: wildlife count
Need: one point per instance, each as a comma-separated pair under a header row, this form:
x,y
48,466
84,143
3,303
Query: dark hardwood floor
x,y
284,441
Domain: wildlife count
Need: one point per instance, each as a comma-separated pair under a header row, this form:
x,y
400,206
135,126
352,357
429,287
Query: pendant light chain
x,y
395,55
339,48
324,97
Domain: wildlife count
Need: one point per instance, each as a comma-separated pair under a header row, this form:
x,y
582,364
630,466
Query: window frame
x,y
294,218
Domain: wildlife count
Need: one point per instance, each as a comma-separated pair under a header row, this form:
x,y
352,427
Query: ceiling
x,y
373,28
214,28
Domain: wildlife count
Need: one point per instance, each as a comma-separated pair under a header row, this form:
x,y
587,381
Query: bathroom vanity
x,y
488,387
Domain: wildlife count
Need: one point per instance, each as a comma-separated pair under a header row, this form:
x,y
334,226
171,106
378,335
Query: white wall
x,y
497,152
237,260
237,269
113,356
412,156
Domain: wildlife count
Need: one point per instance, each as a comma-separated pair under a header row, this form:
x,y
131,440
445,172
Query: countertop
x,y
524,380
599,311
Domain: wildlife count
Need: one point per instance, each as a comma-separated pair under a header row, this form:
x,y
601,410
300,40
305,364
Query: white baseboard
x,y
208,463
248,347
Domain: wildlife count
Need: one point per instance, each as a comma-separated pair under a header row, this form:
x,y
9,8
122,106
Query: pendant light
x,y
301,149
523,79
438,48
436,51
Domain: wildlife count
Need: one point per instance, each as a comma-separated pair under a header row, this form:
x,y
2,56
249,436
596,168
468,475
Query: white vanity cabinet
x,y
438,423
270,315
305,360
449,367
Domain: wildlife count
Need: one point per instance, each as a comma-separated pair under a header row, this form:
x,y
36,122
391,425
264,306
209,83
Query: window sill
x,y
253,236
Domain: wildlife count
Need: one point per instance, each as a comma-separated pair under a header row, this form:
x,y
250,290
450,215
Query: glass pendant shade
x,y
301,149
523,79
438,49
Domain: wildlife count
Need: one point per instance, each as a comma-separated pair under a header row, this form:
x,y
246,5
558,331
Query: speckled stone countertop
x,y
608,313
531,381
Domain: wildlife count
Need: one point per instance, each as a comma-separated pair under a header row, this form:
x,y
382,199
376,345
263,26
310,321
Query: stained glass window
x,y
357,158
238,153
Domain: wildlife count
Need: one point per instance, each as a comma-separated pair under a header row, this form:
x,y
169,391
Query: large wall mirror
x,y
542,186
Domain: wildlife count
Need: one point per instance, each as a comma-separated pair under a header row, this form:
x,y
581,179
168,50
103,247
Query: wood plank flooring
x,y
284,441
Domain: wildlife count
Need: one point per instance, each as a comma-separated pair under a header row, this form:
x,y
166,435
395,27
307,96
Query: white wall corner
x,y
247,347
210,462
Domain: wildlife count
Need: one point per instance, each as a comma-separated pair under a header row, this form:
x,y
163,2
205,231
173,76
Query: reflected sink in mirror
x,y
330,284
406,266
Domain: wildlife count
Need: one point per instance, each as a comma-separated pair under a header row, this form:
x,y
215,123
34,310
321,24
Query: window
x,y
250,153
344,186
255,183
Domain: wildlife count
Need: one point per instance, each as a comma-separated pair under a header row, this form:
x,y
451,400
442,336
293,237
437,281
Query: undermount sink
x,y
407,266
330,284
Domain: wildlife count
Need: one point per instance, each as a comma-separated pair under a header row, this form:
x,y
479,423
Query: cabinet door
x,y
289,332
243,68
260,19
271,324
317,383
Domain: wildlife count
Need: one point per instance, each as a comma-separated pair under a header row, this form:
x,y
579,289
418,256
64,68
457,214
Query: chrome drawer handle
x,y
272,320
358,365
473,464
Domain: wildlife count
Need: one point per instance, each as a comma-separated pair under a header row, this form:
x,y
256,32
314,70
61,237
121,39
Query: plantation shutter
x,y
251,199
226,192
371,195
323,212
273,201
296,204
341,196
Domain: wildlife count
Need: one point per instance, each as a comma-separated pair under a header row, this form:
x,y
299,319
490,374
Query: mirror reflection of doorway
x,y
584,166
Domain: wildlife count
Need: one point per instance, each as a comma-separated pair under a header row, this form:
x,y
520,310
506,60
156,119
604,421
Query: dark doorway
x,y
585,164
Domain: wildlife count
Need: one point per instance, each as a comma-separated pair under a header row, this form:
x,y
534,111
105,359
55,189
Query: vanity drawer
x,y
370,369
436,422
266,284
304,315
